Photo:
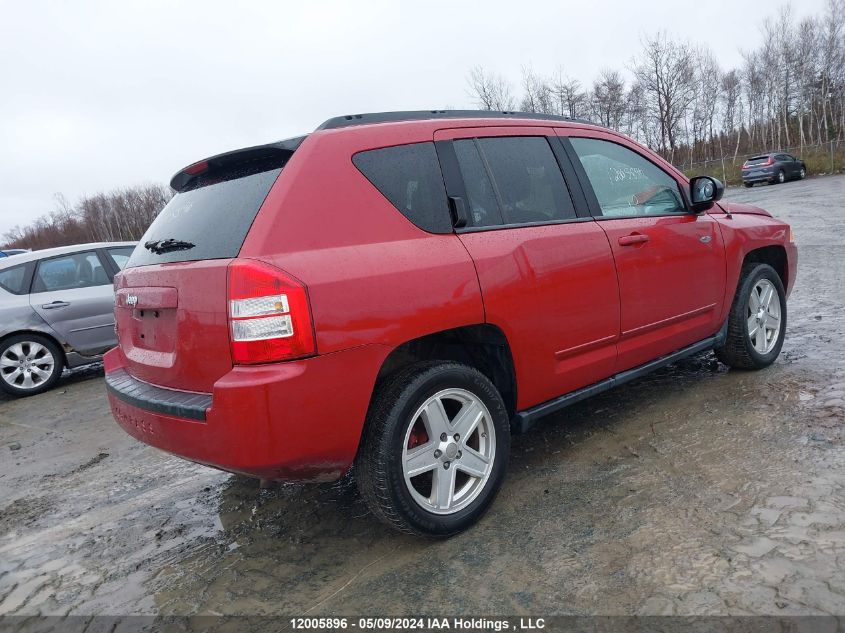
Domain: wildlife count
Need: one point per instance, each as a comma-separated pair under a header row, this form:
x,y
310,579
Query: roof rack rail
x,y
422,115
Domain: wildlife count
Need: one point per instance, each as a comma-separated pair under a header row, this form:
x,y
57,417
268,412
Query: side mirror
x,y
704,191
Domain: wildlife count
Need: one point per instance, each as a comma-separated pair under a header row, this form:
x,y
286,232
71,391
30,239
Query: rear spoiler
x,y
217,167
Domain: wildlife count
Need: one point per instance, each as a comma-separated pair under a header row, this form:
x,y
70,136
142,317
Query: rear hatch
x,y
756,162
171,301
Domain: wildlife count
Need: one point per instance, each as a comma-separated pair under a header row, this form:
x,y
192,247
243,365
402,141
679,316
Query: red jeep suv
x,y
399,292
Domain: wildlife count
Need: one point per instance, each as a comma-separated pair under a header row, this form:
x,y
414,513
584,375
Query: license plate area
x,y
154,329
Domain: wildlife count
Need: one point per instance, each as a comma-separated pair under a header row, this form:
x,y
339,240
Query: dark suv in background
x,y
773,168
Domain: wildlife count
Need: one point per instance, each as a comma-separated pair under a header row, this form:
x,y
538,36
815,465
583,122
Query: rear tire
x,y
780,178
757,321
414,425
748,184
29,364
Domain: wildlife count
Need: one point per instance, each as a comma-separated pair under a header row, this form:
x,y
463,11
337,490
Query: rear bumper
x,y
297,421
764,176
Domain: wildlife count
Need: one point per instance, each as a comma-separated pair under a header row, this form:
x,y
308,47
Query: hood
x,y
747,209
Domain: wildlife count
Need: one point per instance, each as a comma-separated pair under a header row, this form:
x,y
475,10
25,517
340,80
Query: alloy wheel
x,y
764,317
449,449
27,365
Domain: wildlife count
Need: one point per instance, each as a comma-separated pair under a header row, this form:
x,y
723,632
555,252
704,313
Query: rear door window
x,y
409,177
14,279
80,270
512,181
483,206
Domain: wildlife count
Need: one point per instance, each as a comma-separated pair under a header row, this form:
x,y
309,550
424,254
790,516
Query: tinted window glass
x,y
120,255
12,279
215,218
757,160
409,176
528,179
481,200
80,270
625,183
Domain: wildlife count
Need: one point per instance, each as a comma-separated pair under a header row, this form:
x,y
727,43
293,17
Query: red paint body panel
x,y
373,277
552,291
575,305
746,232
279,421
184,343
671,287
671,274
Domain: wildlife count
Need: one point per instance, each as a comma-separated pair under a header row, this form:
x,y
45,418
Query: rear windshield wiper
x,y
165,246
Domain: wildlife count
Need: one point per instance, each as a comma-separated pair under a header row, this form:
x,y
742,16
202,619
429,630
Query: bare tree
x,y
122,214
571,100
537,93
490,91
608,98
666,72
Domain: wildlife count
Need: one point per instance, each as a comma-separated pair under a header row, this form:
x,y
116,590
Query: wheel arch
x,y
483,346
775,256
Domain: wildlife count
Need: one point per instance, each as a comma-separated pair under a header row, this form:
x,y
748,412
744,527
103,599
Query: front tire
x,y
434,450
29,364
757,321
802,174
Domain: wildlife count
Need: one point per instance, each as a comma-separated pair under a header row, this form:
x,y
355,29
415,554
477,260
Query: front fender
x,y
744,233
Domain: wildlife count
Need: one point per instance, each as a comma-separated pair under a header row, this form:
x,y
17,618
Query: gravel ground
x,y
696,490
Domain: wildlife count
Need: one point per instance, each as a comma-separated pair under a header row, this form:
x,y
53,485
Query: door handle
x,y
55,304
633,238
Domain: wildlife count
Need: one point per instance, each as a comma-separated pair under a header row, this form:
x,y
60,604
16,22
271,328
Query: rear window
x,y
12,279
756,160
210,221
409,176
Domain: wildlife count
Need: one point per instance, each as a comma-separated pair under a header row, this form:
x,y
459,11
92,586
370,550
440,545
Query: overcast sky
x,y
98,95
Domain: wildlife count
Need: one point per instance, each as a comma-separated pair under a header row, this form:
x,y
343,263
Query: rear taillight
x,y
269,314
770,162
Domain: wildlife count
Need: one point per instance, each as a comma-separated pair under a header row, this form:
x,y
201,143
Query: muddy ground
x,y
696,490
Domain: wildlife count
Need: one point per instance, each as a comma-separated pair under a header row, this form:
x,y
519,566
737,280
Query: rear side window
x,y
209,222
80,270
12,279
120,255
409,177
513,180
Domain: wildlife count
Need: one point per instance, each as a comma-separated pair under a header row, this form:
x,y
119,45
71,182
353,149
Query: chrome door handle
x,y
705,239
55,304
